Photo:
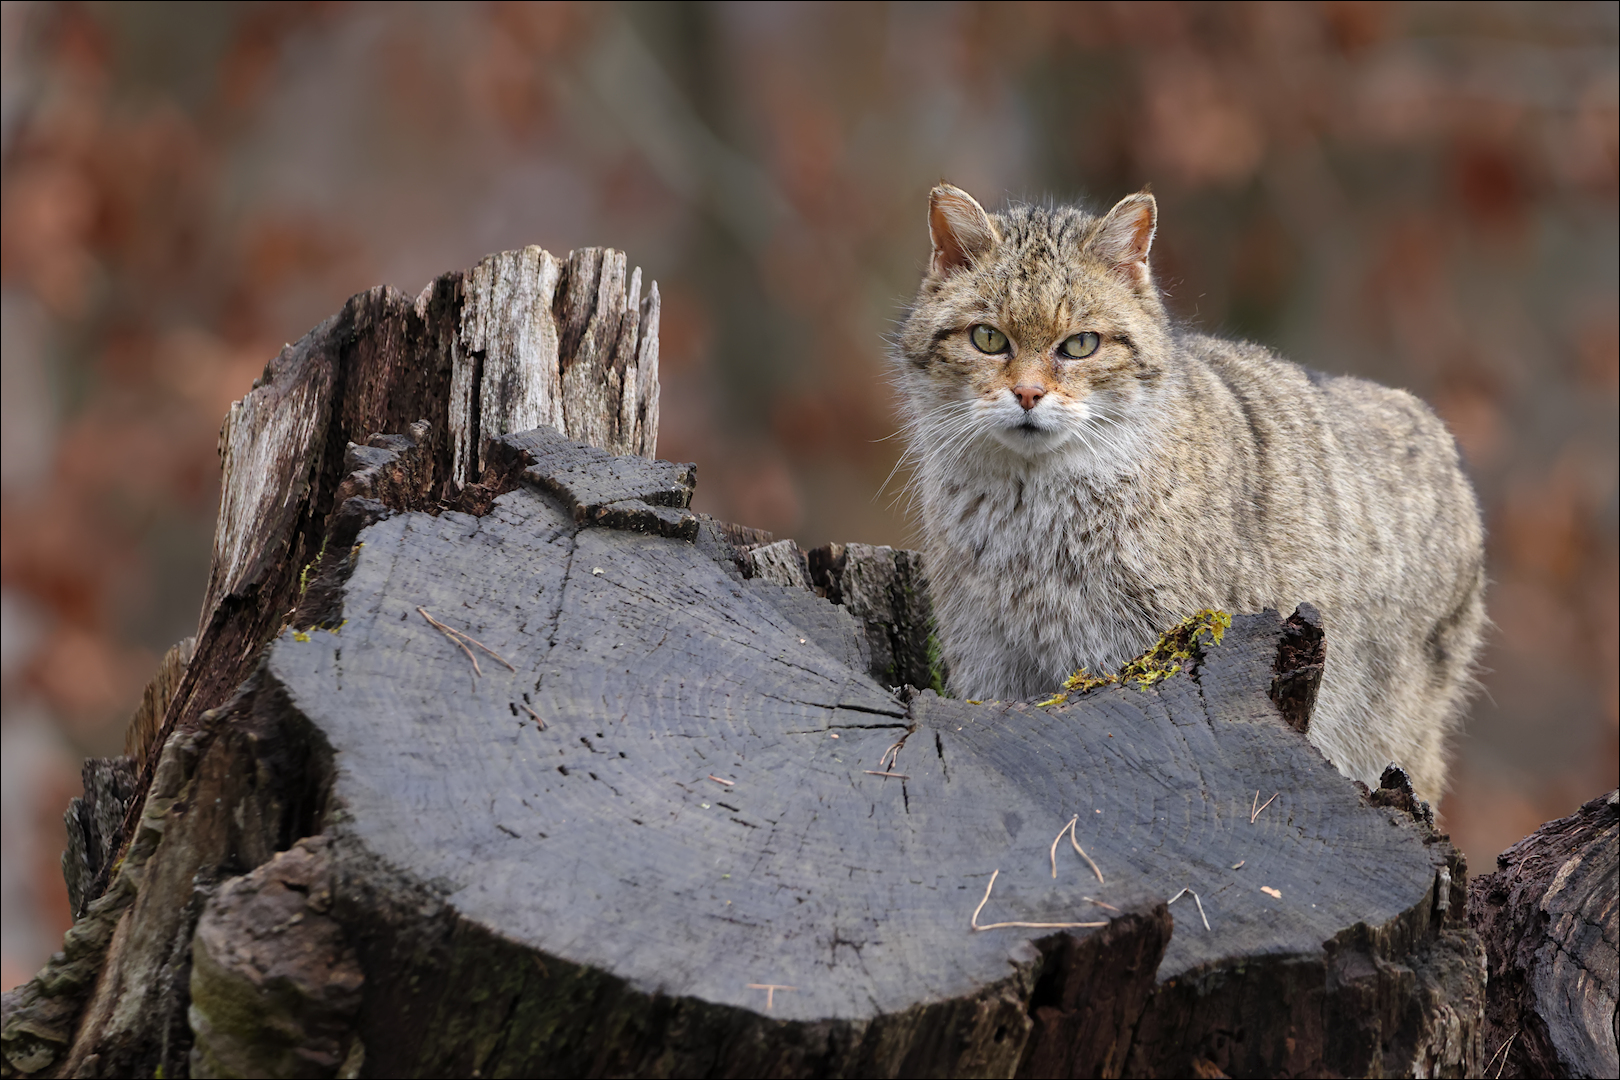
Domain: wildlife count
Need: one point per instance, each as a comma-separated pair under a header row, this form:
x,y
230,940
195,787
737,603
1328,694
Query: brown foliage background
x,y
1423,194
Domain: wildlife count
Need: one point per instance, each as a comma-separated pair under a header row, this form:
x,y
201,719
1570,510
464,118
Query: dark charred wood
x,y
887,591
744,536
1395,791
224,798
1550,919
1300,661
396,470
94,822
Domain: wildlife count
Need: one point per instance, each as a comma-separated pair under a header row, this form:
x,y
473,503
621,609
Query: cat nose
x,y
1028,395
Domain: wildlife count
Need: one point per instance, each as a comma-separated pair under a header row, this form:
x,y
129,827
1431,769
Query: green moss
x,y
303,575
1180,645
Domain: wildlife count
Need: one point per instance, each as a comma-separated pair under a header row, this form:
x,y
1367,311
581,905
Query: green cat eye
x,y
988,339
1080,346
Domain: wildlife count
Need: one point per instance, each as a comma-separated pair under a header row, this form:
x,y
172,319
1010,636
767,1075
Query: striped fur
x,y
1168,472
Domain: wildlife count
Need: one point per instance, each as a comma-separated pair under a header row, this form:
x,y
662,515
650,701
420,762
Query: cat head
x,y
1037,331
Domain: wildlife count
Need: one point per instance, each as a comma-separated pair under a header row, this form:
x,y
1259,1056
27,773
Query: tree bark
x,y
492,757
1549,917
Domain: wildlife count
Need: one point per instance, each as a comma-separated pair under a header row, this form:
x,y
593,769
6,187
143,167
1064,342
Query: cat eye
x,y
988,339
1079,346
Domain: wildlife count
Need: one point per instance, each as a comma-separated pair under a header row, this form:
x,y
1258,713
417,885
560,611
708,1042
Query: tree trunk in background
x,y
491,757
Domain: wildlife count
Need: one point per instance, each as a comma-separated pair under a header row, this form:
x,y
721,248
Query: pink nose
x,y
1028,395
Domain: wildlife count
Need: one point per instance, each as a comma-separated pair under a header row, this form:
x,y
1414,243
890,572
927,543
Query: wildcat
x,y
1088,474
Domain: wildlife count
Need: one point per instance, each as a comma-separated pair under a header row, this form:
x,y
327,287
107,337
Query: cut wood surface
x,y
713,837
653,667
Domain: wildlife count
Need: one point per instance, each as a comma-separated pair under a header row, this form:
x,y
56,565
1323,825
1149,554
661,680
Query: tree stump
x,y
523,338
493,758
682,833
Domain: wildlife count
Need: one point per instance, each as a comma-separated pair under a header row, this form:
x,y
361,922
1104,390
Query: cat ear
x,y
1125,235
959,227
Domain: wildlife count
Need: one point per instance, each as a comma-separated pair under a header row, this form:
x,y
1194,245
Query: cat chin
x,y
1031,442
1069,448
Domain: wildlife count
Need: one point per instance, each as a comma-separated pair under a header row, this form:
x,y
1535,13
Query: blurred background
x,y
1425,194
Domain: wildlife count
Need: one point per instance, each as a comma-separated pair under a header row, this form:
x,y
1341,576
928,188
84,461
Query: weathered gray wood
x,y
887,590
883,589
506,370
385,363
596,487
781,562
476,355
1550,918
588,878
563,343
144,728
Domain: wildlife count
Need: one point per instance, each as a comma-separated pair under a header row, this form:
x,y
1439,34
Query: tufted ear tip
x,y
958,228
1125,237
